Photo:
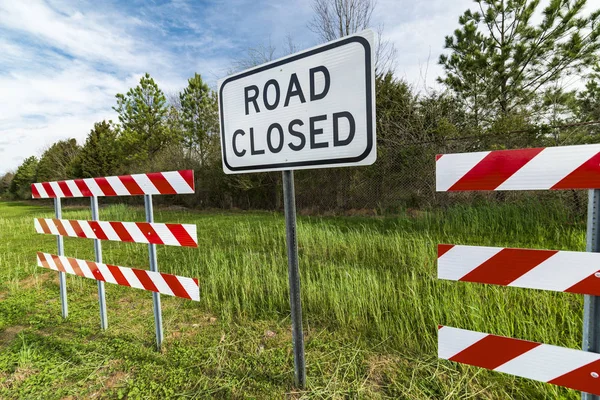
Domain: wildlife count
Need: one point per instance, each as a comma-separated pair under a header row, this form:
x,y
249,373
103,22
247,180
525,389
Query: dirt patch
x,y
116,379
7,335
32,281
380,367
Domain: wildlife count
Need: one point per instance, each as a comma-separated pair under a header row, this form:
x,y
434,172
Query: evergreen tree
x,y
100,155
55,163
500,62
142,112
200,117
24,177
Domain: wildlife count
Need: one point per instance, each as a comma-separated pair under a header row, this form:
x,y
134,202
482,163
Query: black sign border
x,y
368,74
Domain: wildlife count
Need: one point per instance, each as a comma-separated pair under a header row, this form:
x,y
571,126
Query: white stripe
x,y
460,260
131,278
93,186
67,265
38,226
109,231
160,283
108,277
135,233
68,228
41,190
73,188
51,226
117,186
85,269
165,234
452,341
192,231
190,287
145,184
87,229
549,167
451,167
561,271
546,362
57,190
50,261
176,180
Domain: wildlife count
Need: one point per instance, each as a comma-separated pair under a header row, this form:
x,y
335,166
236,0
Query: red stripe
x,y
507,265
97,230
589,285
106,187
95,271
121,231
83,188
48,189
443,249
493,351
494,169
149,233
118,275
131,185
145,280
188,176
176,286
44,225
78,229
58,263
75,266
61,229
182,236
586,176
65,189
162,185
581,378
34,192
42,258
438,156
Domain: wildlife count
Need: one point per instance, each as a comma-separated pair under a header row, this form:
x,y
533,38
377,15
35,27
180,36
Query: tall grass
x,y
371,279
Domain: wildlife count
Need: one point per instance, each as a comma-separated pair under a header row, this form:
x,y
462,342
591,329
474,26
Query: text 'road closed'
x,y
310,110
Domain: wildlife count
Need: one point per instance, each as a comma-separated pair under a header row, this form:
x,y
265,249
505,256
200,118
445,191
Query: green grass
x,y
371,304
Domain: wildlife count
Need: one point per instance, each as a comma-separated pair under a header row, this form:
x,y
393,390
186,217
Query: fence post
x,y
591,304
62,277
98,254
289,203
154,267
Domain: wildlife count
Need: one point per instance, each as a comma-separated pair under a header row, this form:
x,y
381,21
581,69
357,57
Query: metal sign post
x,y
62,277
98,254
591,304
312,109
154,268
294,278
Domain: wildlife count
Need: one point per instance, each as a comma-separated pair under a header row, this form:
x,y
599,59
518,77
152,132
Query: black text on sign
x,y
313,109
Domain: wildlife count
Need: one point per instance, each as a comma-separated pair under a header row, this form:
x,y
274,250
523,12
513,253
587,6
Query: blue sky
x,y
62,62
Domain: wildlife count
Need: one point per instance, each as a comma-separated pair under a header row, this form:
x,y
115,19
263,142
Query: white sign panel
x,y
313,109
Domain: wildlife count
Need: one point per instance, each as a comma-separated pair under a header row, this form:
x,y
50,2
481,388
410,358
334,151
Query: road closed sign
x,y
313,109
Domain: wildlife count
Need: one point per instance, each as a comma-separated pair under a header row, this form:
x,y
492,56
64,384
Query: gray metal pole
x,y
289,201
591,305
98,253
154,267
62,277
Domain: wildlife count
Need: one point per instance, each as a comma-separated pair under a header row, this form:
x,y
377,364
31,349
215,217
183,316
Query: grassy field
x,y
371,304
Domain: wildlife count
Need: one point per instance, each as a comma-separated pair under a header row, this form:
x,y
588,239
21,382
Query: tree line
x,y
509,81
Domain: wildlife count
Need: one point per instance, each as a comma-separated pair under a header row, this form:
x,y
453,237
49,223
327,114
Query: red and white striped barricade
x,y
553,168
149,232
575,369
